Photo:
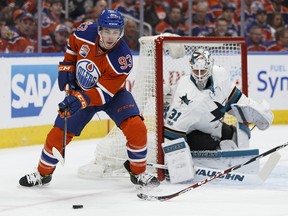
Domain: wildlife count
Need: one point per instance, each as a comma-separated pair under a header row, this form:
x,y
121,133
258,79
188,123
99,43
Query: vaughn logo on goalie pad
x,y
229,176
222,159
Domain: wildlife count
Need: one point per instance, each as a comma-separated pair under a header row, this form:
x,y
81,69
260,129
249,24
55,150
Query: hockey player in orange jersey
x,y
96,65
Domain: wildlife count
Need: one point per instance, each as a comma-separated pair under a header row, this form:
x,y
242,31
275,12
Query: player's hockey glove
x,y
74,102
66,75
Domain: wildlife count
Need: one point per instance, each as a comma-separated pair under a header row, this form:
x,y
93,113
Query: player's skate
x,y
142,179
34,179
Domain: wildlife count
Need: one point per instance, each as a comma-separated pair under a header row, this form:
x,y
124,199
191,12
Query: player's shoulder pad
x,y
87,31
121,57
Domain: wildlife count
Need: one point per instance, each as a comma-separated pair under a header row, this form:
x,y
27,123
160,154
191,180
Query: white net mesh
x,y
111,152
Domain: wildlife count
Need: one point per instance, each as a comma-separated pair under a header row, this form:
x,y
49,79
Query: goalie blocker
x,y
178,158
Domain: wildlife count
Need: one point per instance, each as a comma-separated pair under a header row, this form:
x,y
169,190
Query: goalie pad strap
x,y
241,115
243,135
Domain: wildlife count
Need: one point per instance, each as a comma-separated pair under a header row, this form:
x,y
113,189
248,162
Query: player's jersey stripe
x,y
69,51
111,65
173,134
101,95
105,90
86,41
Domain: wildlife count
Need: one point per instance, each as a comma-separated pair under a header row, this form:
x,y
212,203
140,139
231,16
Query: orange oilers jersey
x,y
101,74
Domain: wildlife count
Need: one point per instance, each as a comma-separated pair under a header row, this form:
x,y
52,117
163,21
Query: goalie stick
x,y
56,153
218,175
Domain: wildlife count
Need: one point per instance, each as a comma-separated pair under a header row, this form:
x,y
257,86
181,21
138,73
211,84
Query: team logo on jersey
x,y
84,50
87,74
219,112
185,100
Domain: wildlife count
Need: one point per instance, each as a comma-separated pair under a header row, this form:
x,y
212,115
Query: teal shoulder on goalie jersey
x,y
173,134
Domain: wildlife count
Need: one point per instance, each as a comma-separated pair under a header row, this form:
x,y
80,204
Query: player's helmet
x,y
111,19
202,65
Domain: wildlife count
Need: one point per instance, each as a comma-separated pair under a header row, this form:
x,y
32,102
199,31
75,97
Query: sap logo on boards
x,y
276,79
30,88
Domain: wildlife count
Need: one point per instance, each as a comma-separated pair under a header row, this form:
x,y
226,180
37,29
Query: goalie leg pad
x,y
179,161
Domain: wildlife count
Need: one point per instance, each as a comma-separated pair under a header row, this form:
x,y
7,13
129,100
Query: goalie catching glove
x,y
74,102
256,113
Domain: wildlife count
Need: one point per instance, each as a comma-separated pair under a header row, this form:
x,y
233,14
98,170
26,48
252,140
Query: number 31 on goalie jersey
x,y
174,115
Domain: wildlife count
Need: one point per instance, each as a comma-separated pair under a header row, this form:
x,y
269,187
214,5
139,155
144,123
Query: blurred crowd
x,y
265,25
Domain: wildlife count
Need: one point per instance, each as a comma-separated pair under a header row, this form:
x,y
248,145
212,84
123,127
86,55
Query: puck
x,y
77,206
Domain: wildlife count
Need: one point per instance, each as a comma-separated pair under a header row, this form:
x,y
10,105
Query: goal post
x,y
164,59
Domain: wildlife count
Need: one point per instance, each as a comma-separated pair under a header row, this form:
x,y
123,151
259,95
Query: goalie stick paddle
x,y
196,185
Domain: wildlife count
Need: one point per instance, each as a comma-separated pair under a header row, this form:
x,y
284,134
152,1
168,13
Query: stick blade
x,y
151,198
269,166
58,155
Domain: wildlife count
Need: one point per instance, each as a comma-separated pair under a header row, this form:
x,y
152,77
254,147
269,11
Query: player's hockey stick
x,y
170,196
56,153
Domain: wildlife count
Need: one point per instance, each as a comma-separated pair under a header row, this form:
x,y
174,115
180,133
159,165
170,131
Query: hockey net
x,y
163,59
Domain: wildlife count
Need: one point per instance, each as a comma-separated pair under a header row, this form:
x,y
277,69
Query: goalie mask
x,y
110,28
202,65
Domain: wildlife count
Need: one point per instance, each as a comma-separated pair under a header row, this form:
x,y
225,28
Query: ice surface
x,y
111,197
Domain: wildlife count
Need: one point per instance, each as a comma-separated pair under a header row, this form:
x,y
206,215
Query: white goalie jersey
x,y
191,109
